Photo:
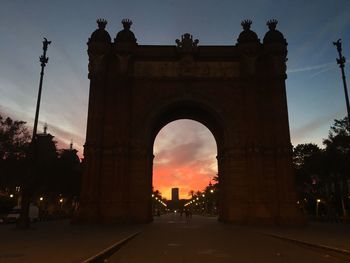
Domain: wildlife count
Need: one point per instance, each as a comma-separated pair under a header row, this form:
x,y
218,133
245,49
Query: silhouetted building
x,y
45,147
175,194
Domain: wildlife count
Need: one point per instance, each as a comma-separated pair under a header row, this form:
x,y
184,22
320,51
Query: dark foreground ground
x,y
202,239
173,239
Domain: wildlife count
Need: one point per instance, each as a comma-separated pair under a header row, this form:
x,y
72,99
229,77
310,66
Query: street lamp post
x,y
43,61
24,221
341,63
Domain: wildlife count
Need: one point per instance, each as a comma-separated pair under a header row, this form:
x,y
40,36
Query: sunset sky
x,y
185,151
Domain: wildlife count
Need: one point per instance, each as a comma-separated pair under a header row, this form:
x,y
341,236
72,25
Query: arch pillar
x,y
256,186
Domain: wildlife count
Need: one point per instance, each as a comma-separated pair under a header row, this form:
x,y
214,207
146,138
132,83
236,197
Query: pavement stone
x,y
332,235
58,241
171,239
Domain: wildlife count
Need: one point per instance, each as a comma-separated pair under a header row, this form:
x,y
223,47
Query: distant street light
x,y
341,63
317,203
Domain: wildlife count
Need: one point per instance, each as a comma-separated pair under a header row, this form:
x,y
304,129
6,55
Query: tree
x,y
338,148
337,157
339,136
69,172
14,144
309,173
303,154
14,139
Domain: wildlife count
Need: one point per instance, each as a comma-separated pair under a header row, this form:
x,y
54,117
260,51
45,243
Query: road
x,y
202,239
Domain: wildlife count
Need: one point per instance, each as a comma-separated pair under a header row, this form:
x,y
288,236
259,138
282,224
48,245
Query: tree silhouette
x,y
14,139
337,157
14,143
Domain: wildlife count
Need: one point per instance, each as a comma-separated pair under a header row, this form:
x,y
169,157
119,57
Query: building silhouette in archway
x,y
237,92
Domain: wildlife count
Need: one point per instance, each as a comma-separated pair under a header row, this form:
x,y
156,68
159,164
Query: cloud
x,y
328,65
301,132
64,138
185,157
180,154
323,70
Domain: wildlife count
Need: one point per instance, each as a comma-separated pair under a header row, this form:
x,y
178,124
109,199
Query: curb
x,y
105,254
318,246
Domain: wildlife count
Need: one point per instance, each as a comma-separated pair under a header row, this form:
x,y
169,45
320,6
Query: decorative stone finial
x,y
247,35
246,24
101,23
272,24
187,41
126,23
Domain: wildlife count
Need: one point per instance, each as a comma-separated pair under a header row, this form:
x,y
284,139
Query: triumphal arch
x,y
237,91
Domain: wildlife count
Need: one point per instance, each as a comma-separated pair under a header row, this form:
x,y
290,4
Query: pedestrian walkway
x,y
174,239
171,238
58,241
324,235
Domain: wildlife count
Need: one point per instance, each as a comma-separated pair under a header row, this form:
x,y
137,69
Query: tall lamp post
x,y
341,63
24,220
43,61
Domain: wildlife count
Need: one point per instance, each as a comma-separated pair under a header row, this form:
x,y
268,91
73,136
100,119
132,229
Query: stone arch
x,y
237,92
186,109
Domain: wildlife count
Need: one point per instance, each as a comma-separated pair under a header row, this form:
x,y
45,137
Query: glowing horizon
x,y
185,157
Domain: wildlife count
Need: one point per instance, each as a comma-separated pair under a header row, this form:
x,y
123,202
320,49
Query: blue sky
x,y
314,87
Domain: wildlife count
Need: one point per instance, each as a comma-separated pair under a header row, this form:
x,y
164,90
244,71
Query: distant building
x,y
45,147
175,194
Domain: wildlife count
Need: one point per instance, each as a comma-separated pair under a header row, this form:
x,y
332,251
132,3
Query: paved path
x,y
171,239
58,241
334,235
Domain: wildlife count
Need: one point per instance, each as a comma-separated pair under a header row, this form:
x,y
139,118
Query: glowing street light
x,y
41,198
317,202
11,195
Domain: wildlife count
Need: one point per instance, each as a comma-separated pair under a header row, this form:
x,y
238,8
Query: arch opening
x,y
189,152
184,168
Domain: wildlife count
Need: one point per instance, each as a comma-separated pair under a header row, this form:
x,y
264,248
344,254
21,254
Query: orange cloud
x,y
185,157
